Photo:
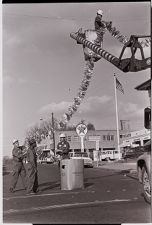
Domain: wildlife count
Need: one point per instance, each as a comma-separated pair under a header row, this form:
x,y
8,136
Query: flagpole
x,y
117,121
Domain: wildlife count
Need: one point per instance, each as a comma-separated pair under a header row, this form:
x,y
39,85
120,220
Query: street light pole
x,y
53,133
41,119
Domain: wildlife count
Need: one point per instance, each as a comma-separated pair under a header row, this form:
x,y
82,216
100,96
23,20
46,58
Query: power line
x,y
69,19
43,17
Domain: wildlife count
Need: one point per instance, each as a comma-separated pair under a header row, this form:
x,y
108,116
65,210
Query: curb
x,y
133,174
128,172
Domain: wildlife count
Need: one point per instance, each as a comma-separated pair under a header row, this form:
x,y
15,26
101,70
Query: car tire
x,y
146,186
108,159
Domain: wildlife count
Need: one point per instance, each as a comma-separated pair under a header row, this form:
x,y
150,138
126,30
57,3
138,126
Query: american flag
x,y
119,86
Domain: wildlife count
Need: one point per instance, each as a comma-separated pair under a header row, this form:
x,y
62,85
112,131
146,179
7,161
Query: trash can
x,y
72,174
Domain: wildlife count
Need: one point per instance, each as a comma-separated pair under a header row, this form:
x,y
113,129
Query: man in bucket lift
x,y
100,27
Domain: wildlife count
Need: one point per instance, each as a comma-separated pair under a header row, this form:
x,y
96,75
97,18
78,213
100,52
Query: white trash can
x,y
72,174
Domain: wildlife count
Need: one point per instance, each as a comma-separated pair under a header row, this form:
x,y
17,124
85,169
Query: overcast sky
x,y
43,67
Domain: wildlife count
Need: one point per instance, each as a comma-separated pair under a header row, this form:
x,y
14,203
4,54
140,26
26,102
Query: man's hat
x,y
100,12
62,135
32,141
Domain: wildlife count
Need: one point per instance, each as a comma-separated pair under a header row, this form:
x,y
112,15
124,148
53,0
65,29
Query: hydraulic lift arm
x,y
126,65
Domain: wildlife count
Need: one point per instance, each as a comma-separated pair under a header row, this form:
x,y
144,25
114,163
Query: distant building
x,y
137,138
103,140
146,86
125,125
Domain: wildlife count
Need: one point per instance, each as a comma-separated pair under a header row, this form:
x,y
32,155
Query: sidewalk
x,y
128,168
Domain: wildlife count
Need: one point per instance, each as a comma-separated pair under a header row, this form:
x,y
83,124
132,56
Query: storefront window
x,y
69,138
104,137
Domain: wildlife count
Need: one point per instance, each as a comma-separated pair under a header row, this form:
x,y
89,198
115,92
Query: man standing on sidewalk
x,y
32,168
63,148
18,166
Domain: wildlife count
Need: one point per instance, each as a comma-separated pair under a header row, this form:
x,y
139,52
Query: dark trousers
x,y
18,169
99,39
64,156
32,179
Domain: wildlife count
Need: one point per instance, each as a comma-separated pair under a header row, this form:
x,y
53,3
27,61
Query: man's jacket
x,y
64,146
32,158
17,154
99,23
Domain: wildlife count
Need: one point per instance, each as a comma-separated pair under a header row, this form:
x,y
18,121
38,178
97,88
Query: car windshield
x,y
45,154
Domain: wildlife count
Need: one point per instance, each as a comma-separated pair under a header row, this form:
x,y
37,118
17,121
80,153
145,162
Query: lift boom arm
x,y
126,65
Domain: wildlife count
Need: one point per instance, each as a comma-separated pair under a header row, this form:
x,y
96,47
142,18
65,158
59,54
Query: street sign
x,y
81,130
96,155
97,145
94,138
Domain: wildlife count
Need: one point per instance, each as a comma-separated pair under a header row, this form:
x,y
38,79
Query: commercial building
x,y
139,138
104,141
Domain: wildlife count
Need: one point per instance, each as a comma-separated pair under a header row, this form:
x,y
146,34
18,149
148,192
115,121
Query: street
x,y
109,196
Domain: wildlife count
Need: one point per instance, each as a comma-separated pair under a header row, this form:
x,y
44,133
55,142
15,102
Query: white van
x,y
109,155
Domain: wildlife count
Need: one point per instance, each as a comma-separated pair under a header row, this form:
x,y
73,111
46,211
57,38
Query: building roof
x,y
144,86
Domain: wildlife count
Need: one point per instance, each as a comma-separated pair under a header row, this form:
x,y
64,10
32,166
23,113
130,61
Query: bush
x,y
7,160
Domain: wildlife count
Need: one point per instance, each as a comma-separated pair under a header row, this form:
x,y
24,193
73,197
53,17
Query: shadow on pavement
x,y
49,185
106,176
125,171
88,185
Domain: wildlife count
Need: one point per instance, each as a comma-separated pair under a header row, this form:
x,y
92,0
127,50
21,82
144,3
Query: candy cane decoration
x,y
90,64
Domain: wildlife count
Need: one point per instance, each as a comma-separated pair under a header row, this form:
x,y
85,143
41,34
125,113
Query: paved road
x,y
108,197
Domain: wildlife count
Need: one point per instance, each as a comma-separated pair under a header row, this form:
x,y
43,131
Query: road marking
x,y
41,195
123,189
135,198
97,202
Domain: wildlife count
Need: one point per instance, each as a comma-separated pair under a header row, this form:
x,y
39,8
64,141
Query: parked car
x,y
143,170
133,153
88,162
45,157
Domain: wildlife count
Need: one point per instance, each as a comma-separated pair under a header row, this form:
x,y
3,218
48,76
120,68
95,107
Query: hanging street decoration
x,y
116,33
90,56
88,71
146,42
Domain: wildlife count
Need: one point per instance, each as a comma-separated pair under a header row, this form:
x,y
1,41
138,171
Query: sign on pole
x,y
97,145
81,130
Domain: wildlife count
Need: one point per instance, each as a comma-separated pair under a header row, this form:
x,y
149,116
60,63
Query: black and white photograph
x,y
76,113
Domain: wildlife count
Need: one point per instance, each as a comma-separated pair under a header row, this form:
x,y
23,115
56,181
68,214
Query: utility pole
x,y
53,130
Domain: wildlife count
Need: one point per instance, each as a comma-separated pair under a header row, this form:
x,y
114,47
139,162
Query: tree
x,y
7,160
44,129
68,128
90,126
